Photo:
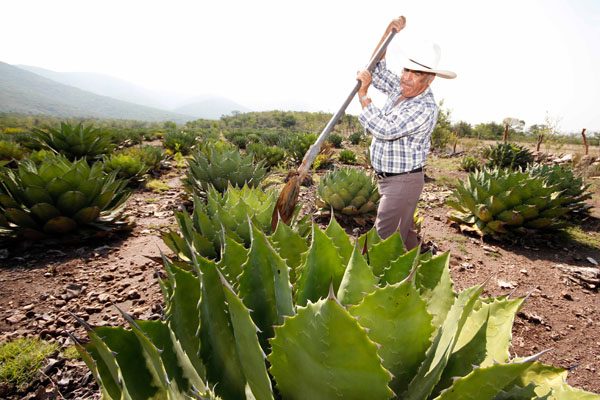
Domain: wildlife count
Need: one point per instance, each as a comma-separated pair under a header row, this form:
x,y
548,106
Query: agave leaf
x,y
109,388
400,268
435,285
152,357
87,215
36,194
70,202
218,349
438,354
543,377
60,224
8,202
315,342
340,239
323,267
397,319
470,353
371,238
265,286
566,392
290,246
20,218
484,383
135,378
499,329
252,358
233,257
45,211
358,280
383,253
183,318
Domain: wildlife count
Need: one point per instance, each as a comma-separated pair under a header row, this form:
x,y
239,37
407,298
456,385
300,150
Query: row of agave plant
x,y
252,313
511,195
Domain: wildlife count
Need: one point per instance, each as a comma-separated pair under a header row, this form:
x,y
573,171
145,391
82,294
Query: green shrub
x,y
10,151
272,156
335,140
356,137
297,144
347,157
180,141
470,164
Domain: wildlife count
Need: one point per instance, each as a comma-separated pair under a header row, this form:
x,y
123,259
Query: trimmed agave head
x,y
220,167
348,191
58,197
573,189
75,141
498,202
387,324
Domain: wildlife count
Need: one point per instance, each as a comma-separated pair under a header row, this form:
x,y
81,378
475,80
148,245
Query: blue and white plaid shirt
x,y
401,133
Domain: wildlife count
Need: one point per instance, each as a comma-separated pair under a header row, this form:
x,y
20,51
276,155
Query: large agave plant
x,y
383,325
348,191
75,141
221,220
501,201
508,155
572,188
221,167
57,197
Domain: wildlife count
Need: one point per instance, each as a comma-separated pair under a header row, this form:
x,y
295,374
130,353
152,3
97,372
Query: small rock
x,y
92,309
490,249
133,294
16,318
567,296
103,298
524,272
506,285
107,277
591,260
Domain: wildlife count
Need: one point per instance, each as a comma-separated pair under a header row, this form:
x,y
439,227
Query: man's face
x,y
414,83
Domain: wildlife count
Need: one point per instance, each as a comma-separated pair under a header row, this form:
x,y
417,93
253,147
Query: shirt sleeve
x,y
408,121
384,79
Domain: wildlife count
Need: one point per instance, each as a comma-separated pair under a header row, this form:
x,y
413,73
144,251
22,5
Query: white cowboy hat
x,y
425,57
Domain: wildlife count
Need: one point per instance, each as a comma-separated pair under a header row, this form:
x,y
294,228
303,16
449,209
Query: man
x,y
401,132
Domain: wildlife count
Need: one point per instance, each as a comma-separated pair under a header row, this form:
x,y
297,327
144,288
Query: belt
x,y
381,175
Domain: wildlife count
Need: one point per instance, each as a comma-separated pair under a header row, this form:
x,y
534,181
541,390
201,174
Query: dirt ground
x,y
43,285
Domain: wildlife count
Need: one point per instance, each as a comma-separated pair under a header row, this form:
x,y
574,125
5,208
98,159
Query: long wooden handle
x,y
312,152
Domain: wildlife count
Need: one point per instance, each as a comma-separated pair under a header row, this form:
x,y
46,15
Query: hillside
x,y
28,93
206,107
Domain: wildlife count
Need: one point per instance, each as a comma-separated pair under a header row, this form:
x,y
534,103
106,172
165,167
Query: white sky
x,y
514,58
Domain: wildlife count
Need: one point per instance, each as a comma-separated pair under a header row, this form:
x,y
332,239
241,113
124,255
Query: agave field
x,y
139,261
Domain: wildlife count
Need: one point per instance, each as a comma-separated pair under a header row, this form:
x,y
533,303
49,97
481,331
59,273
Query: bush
x,y
356,138
335,140
347,157
469,164
180,141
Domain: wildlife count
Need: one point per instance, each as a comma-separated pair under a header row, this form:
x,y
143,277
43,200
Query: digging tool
x,y
288,198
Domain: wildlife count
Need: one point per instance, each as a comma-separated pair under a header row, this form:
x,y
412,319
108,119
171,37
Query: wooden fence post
x,y
585,143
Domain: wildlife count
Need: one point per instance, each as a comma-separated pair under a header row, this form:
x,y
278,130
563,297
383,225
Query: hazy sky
x,y
514,58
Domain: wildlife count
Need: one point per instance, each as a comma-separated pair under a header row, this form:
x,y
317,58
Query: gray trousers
x,y
399,197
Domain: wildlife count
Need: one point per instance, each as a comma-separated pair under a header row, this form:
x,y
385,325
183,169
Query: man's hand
x,y
396,25
365,78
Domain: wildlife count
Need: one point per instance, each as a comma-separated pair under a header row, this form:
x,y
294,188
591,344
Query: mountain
x,y
211,107
104,85
25,92
208,107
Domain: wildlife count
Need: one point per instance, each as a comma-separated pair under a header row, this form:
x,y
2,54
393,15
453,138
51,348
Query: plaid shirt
x,y
401,133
